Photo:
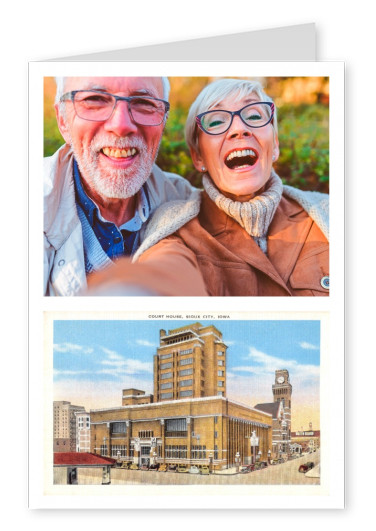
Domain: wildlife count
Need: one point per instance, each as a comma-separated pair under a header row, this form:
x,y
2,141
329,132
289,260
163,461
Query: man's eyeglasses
x,y
253,115
98,106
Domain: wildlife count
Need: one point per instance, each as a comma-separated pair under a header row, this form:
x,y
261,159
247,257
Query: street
x,y
282,474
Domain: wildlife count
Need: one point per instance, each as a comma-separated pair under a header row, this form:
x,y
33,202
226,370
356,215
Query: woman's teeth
x,y
241,158
241,153
119,153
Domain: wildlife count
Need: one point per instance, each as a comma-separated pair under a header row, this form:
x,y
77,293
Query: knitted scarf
x,y
255,215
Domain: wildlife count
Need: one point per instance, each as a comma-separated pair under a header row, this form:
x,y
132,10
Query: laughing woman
x,y
247,234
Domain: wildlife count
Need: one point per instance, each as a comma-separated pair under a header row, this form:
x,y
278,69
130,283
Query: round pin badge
x,y
325,282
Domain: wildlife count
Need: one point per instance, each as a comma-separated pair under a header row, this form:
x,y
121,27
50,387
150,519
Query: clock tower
x,y
282,391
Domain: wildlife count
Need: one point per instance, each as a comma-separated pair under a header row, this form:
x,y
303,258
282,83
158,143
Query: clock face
x,y
280,379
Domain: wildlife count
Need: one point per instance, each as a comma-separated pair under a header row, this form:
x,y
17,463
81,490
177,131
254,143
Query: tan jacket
x,y
213,255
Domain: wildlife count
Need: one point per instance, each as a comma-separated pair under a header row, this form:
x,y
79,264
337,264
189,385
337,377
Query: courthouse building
x,y
188,419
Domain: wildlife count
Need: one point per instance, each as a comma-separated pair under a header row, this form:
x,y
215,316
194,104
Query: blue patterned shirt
x,y
115,241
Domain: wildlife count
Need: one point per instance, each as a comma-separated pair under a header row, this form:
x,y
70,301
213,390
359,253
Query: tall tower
x,y
282,391
190,363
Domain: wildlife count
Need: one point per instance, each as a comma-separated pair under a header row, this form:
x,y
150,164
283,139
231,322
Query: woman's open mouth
x,y
241,158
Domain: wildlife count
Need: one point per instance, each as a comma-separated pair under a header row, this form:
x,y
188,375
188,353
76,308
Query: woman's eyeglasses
x,y
254,115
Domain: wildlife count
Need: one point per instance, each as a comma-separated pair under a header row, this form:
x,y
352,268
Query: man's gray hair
x,y
60,84
213,94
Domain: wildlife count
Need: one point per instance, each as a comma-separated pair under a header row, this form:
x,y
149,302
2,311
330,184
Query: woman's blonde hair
x,y
216,92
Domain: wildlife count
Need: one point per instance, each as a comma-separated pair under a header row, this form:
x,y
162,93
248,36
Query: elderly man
x,y
102,186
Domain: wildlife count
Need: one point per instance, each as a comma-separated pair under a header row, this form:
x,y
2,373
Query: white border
x,y
333,304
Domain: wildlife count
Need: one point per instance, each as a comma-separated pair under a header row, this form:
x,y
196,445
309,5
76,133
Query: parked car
x,y
307,466
145,466
171,468
205,469
182,468
194,469
260,464
162,468
154,467
133,466
246,469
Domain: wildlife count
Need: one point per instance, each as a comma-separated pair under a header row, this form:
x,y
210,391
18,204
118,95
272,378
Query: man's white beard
x,y
115,183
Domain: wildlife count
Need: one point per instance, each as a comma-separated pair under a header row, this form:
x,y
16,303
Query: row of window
x,y
182,394
144,434
171,451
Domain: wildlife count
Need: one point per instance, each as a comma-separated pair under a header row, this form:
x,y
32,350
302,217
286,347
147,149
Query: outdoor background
x,y
303,126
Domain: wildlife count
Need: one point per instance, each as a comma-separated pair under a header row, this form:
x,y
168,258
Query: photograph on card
x,y
184,402
186,186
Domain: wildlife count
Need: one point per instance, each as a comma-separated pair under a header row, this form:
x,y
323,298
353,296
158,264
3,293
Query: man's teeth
x,y
241,153
119,153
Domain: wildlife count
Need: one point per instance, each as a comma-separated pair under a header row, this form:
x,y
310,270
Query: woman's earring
x,y
203,168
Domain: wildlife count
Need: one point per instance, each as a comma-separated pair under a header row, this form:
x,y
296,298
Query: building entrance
x,y
145,455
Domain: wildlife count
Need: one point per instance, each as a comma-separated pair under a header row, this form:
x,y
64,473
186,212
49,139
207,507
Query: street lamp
x,y
237,461
210,462
259,455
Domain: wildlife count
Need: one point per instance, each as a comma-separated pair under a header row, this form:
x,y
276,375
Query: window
x,y
186,393
118,427
198,452
175,452
186,361
145,451
176,426
166,365
165,356
167,385
215,420
221,393
215,451
221,373
215,435
221,384
122,449
221,363
185,372
166,395
166,375
104,449
188,351
185,383
220,353
145,434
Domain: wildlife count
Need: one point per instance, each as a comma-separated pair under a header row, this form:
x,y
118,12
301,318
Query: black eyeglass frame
x,y
236,113
71,96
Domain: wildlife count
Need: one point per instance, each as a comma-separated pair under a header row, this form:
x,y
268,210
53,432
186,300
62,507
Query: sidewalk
x,y
314,472
225,472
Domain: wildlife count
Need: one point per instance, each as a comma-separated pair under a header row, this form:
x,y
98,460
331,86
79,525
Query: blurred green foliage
x,y
303,141
304,146
52,137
